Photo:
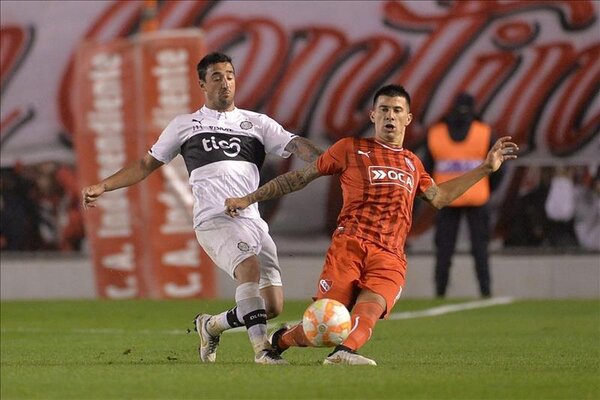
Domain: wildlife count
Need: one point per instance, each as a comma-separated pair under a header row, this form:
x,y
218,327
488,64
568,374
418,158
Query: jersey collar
x,y
218,115
387,146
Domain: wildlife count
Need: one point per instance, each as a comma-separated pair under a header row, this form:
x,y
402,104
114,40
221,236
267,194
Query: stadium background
x,y
534,68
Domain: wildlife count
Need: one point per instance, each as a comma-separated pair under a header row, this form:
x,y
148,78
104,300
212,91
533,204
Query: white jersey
x,y
223,153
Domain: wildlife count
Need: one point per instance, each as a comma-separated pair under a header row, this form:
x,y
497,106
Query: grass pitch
x,y
140,350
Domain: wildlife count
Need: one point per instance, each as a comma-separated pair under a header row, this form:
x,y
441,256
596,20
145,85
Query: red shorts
x,y
353,264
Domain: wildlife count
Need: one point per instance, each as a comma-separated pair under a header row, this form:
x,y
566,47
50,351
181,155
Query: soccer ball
x,y
326,323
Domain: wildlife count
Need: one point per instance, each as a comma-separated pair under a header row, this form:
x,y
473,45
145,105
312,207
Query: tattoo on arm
x,y
304,149
284,184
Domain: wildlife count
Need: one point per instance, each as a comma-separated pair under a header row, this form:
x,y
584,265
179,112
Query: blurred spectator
x,y
40,208
18,214
587,214
458,143
560,208
529,225
57,199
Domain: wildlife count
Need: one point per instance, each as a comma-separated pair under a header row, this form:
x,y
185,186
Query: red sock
x,y
293,337
364,317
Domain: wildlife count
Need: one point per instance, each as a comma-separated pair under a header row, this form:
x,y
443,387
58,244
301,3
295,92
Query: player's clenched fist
x,y
90,194
234,205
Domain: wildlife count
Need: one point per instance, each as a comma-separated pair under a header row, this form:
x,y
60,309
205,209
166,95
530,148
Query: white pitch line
x,y
429,312
432,312
107,331
451,308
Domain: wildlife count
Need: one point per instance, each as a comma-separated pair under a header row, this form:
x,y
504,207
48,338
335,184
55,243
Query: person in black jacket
x,y
454,144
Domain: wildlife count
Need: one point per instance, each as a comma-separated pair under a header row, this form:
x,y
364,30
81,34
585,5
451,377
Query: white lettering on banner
x,y
109,66
172,84
187,257
115,219
123,261
105,120
193,287
108,159
110,144
176,217
127,292
116,225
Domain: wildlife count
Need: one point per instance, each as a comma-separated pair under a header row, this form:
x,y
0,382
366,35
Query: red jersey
x,y
379,184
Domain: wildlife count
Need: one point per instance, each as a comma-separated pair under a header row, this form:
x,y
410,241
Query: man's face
x,y
391,116
219,86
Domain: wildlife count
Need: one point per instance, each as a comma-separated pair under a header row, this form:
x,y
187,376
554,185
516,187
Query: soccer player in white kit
x,y
223,148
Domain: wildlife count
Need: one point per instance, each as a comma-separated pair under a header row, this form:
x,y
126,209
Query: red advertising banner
x,y
169,86
105,140
141,237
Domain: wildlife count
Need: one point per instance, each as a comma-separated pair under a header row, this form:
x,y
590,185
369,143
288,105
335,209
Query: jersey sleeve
x,y
333,160
425,180
275,138
168,143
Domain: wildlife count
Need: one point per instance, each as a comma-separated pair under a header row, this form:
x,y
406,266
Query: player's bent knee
x,y
273,296
273,310
273,303
248,270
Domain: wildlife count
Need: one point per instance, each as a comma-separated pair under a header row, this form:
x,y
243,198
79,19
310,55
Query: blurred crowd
x,y
40,208
556,207
553,207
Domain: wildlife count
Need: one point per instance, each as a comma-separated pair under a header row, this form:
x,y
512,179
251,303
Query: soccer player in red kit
x,y
365,265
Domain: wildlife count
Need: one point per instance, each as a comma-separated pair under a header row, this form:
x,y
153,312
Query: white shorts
x,y
229,241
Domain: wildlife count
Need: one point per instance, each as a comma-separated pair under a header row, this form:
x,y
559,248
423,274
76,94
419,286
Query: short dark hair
x,y
210,59
392,91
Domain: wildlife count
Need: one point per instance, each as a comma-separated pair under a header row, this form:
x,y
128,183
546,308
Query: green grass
x,y
140,350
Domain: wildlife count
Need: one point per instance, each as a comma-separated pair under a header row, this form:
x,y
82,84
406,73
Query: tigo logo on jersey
x,y
391,176
230,148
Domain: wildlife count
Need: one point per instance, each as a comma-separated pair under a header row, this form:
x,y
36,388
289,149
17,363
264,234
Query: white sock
x,y
219,323
252,307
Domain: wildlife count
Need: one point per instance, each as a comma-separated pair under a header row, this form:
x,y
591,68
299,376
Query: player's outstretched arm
x,y
126,176
303,149
445,193
276,187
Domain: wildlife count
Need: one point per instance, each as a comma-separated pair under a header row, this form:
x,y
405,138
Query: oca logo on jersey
x,y
379,175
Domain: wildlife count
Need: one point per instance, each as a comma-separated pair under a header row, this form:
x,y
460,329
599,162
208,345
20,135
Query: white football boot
x,y
345,356
269,357
207,348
